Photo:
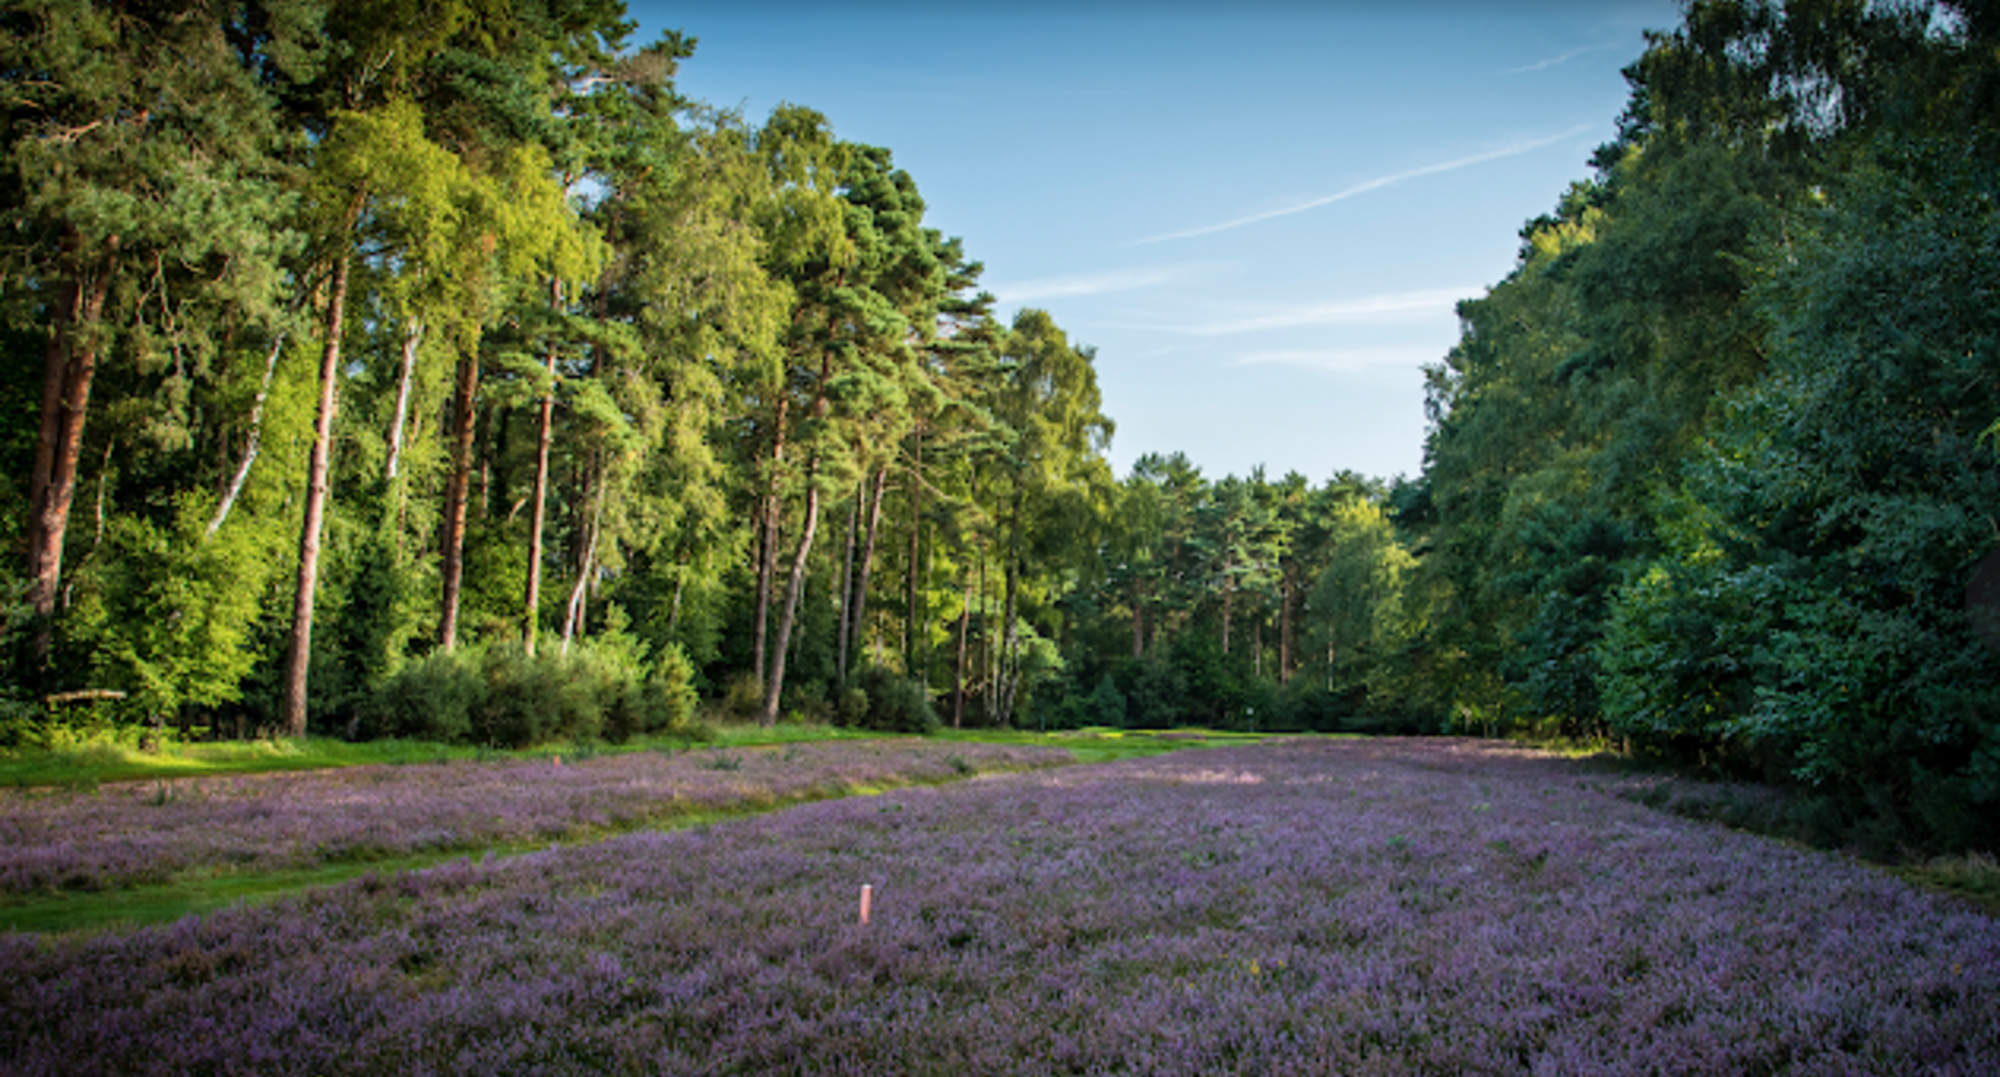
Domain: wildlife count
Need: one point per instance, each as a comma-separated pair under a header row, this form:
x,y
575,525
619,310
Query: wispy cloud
x,y
1343,360
1513,150
1118,280
1368,308
1556,61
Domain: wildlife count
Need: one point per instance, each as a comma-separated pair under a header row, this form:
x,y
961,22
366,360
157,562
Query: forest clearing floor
x,y
1380,906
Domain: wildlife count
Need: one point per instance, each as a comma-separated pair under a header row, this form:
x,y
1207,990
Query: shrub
x,y
744,700
429,699
896,704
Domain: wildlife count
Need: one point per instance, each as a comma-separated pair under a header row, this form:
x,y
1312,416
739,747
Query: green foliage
x,y
431,698
1104,706
1706,469
1814,610
504,697
895,703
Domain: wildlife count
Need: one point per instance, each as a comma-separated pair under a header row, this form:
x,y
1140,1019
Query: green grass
x,y
93,763
1973,876
1101,745
90,764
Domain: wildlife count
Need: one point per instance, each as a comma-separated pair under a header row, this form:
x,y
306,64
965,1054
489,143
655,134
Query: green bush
x,y
896,704
531,698
428,699
505,697
744,700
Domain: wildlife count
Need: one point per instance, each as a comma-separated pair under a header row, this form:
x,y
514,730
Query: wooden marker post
x,y
867,900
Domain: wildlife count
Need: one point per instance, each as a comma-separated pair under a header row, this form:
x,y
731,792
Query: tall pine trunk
x,y
574,612
544,437
298,654
1228,601
457,491
66,379
958,667
858,623
794,590
911,629
847,584
1009,675
1285,627
770,513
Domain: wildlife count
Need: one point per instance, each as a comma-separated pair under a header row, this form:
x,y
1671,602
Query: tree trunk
x,y
545,435
910,627
794,592
1228,602
985,643
412,336
1285,627
573,619
958,668
1009,675
858,624
1138,620
847,584
457,491
251,442
66,380
292,712
767,557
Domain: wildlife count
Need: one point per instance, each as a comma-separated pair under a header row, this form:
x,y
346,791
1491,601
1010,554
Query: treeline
x,y
1712,470
435,368
1243,603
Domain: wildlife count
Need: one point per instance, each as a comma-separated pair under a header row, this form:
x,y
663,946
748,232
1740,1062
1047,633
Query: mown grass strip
x,y
90,765
207,889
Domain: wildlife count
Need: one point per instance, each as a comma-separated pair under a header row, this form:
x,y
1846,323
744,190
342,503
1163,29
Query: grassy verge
x,y
92,764
1101,745
95,763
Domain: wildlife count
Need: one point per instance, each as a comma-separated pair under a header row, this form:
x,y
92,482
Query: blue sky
x,y
1259,214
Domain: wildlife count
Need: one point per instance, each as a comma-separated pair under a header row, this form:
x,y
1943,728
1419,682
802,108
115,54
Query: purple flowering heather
x,y
146,832
1379,907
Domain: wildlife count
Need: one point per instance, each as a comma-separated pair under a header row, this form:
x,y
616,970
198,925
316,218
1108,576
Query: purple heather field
x,y
147,832
1328,907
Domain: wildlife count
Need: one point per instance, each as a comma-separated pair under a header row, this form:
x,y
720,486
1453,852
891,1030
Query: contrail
x,y
1363,188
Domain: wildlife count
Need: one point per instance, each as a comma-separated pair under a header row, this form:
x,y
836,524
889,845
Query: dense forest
x,y
438,370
